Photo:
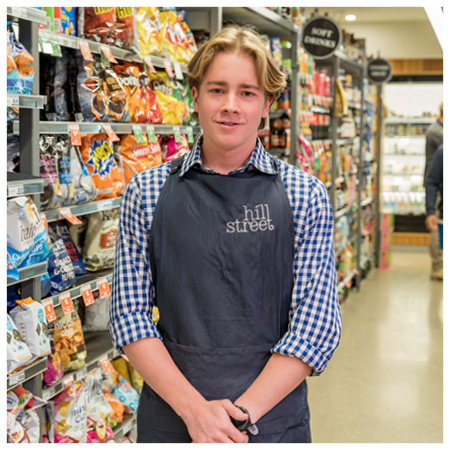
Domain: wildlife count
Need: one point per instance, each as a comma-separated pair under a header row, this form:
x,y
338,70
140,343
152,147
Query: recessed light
x,y
350,17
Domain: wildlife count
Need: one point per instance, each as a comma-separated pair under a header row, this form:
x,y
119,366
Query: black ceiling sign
x,y
379,71
321,37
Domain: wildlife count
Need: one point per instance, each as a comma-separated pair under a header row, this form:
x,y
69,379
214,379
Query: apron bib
x,y
221,250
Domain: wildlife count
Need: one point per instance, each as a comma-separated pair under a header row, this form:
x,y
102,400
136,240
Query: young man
x,y
237,252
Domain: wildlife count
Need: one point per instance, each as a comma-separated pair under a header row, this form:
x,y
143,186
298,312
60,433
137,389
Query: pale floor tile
x,y
385,381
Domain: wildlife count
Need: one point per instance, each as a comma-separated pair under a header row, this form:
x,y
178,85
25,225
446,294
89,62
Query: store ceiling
x,y
371,14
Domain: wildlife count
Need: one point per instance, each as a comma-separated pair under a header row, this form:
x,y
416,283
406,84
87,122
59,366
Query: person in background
x,y
434,138
236,250
434,196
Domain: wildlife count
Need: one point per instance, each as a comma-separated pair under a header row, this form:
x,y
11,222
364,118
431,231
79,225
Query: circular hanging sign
x,y
379,71
321,37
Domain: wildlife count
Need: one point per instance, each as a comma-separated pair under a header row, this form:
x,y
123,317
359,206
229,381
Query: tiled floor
x,y
385,382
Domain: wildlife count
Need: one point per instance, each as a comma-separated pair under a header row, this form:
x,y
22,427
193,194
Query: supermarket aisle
x,y
384,384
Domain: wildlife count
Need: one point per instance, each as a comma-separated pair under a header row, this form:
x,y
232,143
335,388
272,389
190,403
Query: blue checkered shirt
x,y
315,319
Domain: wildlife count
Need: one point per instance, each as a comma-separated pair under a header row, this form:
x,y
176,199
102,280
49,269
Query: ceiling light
x,y
350,17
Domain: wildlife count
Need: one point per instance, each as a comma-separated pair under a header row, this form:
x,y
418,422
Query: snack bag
x,y
84,189
98,154
29,318
12,74
68,339
96,403
98,431
122,390
68,416
100,241
24,62
12,269
123,32
148,33
18,352
61,231
155,153
117,107
28,241
60,267
68,21
97,24
117,406
172,110
96,316
54,371
173,149
135,156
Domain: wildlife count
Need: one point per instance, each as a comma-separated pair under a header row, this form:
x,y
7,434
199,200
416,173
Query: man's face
x,y
230,103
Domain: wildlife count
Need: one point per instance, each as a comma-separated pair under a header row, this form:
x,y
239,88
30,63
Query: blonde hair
x,y
246,41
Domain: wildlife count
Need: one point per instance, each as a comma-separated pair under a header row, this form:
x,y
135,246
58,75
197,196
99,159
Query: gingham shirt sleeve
x,y
315,318
132,290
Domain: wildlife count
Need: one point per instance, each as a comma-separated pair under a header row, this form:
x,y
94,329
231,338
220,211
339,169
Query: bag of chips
x,y
60,267
24,63
85,191
117,406
172,149
122,390
54,371
12,74
100,241
98,154
117,107
123,32
29,318
19,354
97,24
155,153
68,416
28,241
68,339
148,33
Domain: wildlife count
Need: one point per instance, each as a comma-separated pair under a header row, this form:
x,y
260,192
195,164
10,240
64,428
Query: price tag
x,y
103,288
49,309
137,131
86,50
168,67
88,297
151,134
148,61
177,134
16,378
12,100
82,373
110,132
178,71
190,134
106,365
47,47
14,191
66,213
107,52
66,303
68,381
75,135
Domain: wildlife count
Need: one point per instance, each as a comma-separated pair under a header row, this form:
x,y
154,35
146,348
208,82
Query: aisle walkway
x,y
384,384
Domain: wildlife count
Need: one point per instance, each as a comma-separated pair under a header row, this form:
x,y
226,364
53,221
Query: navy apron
x,y
221,250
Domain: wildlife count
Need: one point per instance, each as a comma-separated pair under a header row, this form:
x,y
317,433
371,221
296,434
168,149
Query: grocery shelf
x,y
92,278
367,201
129,422
30,14
98,345
26,100
86,208
409,120
25,374
29,272
24,184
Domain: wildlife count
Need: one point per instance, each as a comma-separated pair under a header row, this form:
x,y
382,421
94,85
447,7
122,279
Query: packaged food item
x,y
24,63
29,318
61,231
134,156
19,354
155,153
97,405
143,104
78,233
123,31
98,431
60,267
97,24
136,380
54,371
68,339
67,416
172,149
84,189
122,390
12,74
117,406
68,21
100,241
117,107
148,33
12,269
28,240
98,154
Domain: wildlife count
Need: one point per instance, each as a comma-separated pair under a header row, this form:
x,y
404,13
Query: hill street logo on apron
x,y
257,219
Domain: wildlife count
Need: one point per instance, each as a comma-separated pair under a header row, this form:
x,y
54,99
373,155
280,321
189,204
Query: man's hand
x,y
211,422
431,222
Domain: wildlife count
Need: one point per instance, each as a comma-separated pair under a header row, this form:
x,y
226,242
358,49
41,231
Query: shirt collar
x,y
259,159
